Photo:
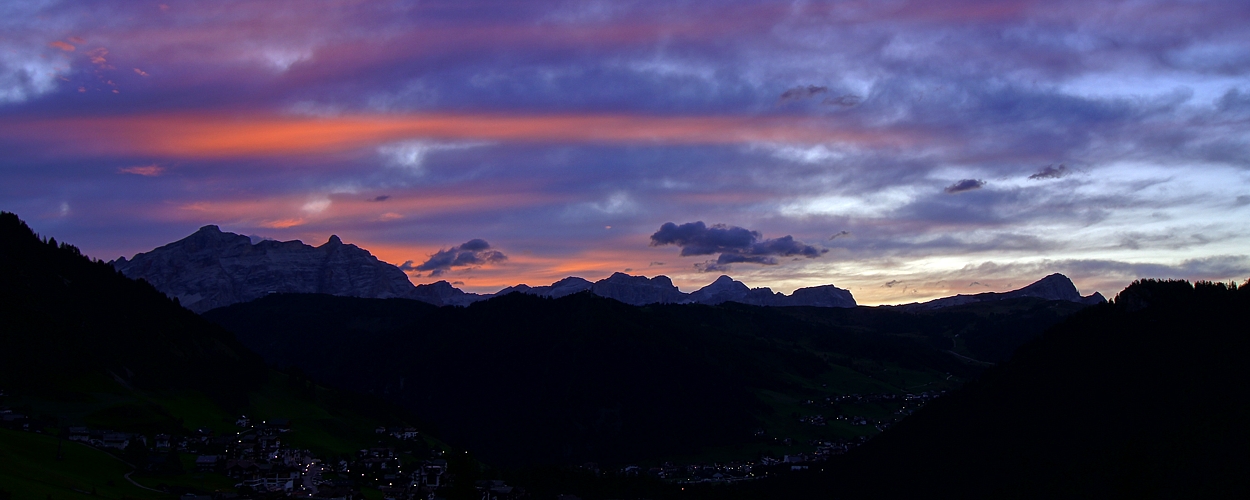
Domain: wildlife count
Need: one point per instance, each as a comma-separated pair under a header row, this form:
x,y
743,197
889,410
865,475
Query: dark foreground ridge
x,y
66,317
526,380
1144,398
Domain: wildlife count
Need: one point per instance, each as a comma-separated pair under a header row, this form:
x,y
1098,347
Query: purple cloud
x,y
475,252
798,93
1050,172
734,244
965,185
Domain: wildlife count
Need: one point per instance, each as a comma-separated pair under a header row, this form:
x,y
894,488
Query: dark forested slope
x,y
65,317
521,379
1147,397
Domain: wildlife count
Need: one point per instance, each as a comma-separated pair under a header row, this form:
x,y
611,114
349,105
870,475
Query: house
x,y
242,469
274,482
162,442
432,473
79,434
206,463
118,440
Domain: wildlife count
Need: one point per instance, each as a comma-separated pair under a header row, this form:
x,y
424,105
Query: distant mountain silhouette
x,y
726,289
212,268
555,290
1053,287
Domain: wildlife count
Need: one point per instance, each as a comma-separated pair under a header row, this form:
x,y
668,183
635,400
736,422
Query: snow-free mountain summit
x,y
213,268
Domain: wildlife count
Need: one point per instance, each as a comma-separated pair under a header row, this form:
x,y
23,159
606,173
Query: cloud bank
x,y
733,244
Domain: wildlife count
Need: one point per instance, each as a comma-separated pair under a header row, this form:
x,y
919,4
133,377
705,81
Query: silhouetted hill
x,y
66,316
83,345
1053,287
1147,397
525,379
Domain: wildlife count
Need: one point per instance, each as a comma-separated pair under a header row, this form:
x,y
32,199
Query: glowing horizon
x,y
902,150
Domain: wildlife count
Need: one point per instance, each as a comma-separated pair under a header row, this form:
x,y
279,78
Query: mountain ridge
x,y
213,268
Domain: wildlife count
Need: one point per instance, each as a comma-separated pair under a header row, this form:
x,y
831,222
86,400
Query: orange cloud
x,y
144,170
97,56
346,210
282,223
212,135
62,45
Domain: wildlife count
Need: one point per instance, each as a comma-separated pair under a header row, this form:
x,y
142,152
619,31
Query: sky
x,y
902,150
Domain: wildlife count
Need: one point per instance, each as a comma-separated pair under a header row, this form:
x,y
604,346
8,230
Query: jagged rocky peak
x,y
638,290
442,293
1095,298
726,289
213,268
1053,287
566,286
723,289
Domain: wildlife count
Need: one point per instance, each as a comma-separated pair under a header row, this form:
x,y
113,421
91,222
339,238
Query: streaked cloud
x,y
144,170
1107,137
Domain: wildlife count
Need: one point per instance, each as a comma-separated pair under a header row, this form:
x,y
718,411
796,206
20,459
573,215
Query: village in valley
x,y
253,462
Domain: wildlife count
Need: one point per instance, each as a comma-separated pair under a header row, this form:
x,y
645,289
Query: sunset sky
x,y
902,150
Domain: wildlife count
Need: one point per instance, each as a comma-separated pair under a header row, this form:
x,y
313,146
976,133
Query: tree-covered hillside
x,y
66,317
521,379
1147,397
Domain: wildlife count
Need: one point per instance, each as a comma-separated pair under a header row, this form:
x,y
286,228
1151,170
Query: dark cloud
x,y
711,266
839,234
965,185
891,283
1051,172
382,198
801,92
695,238
734,244
845,100
475,252
1242,200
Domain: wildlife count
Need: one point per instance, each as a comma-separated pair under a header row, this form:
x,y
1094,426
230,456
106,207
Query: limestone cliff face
x,y
822,296
638,290
212,268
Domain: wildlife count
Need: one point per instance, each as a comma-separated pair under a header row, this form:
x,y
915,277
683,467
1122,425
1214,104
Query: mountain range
x,y
212,268
1141,397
